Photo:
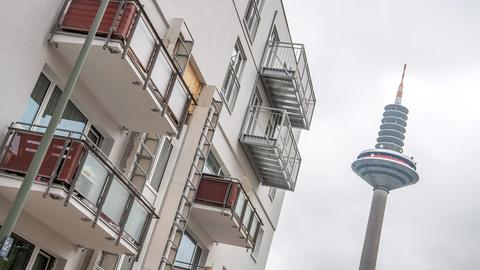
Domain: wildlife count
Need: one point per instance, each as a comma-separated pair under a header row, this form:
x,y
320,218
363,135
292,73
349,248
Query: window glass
x,y
36,98
43,261
231,84
72,118
212,166
188,254
95,136
161,165
252,17
18,256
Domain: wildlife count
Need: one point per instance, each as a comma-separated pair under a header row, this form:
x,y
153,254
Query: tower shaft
x,y
371,243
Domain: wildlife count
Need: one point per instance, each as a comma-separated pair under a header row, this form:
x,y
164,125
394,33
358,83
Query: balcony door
x,y
40,107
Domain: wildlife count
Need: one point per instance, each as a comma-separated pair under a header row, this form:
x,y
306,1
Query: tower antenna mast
x,y
398,99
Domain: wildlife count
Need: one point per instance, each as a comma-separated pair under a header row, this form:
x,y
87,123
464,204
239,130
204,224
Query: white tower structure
x,y
385,168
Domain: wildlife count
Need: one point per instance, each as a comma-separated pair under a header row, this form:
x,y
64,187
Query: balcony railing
x,y
76,165
287,78
270,144
127,29
228,195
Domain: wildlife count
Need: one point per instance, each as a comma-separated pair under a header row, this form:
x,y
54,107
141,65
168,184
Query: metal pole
x,y
34,167
374,229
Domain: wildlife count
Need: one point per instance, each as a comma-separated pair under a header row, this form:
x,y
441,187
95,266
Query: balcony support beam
x,y
22,195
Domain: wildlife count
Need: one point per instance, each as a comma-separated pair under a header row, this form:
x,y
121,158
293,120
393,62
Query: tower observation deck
x,y
385,168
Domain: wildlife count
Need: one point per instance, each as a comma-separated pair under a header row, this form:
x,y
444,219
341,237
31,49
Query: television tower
x,y
385,168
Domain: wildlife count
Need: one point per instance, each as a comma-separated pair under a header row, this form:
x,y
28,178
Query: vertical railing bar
x,y
124,218
57,23
170,89
114,25
184,116
77,175
57,168
132,32
152,65
103,198
5,141
144,234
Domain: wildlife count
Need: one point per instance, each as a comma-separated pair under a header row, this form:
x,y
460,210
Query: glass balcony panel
x,y
136,221
253,228
247,216
161,74
91,179
240,204
116,201
178,100
143,43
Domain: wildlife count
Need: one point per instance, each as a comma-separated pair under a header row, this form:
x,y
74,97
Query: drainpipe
x,y
34,167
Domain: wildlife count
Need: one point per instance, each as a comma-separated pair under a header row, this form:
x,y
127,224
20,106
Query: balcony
x,y
270,145
128,68
225,212
286,76
78,192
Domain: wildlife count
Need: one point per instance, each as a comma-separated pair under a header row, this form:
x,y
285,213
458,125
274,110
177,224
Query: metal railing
x,y
271,127
180,265
75,163
143,45
235,200
290,59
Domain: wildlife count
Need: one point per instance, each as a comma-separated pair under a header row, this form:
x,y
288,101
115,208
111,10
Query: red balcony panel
x,y
214,190
19,154
80,14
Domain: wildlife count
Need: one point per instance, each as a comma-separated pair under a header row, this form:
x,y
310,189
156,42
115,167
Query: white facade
x,y
126,100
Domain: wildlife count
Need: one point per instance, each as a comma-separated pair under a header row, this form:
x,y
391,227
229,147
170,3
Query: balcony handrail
x,y
84,139
159,48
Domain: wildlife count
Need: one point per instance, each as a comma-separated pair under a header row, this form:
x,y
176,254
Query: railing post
x,y
34,167
132,32
103,198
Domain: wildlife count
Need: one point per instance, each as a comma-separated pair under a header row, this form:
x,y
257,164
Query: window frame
x,y
195,255
231,83
163,143
252,12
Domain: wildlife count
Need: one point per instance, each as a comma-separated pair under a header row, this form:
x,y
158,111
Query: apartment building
x,y
179,141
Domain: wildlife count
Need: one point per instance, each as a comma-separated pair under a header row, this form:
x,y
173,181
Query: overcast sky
x,y
356,50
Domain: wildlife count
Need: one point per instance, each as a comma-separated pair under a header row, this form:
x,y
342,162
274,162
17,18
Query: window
x,y
19,254
274,35
231,84
212,166
108,261
42,103
24,253
164,156
189,253
95,136
252,17
271,193
44,261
